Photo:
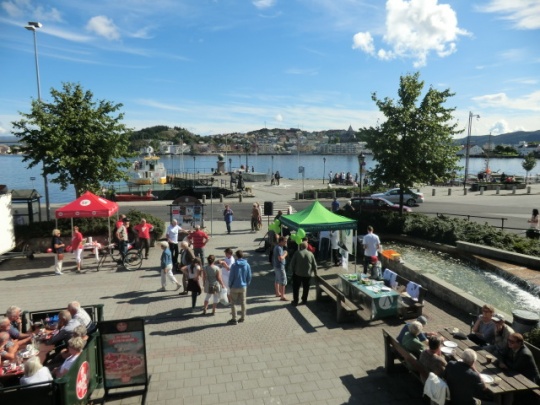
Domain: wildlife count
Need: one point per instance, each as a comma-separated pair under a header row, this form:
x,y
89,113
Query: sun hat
x,y
498,318
422,319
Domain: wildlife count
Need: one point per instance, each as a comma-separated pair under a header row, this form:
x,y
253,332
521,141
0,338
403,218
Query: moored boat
x,y
148,170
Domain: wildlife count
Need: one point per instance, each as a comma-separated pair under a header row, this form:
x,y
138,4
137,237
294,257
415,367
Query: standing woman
x,y
166,264
58,249
212,283
254,217
77,246
193,272
259,222
534,219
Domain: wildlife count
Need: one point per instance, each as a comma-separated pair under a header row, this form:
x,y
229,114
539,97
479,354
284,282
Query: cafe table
x,y
95,246
373,300
500,383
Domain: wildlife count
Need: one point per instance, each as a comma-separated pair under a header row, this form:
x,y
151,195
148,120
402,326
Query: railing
x,y
440,214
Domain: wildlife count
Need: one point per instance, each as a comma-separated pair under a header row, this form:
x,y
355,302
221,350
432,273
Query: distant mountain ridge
x,y
511,138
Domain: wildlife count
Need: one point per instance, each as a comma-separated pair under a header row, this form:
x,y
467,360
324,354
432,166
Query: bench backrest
x,y
412,362
422,291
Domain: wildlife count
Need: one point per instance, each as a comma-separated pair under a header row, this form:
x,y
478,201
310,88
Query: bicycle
x,y
132,260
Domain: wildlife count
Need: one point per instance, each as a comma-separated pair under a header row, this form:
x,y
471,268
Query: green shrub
x,y
88,226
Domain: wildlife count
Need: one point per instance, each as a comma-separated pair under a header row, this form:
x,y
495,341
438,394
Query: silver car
x,y
410,198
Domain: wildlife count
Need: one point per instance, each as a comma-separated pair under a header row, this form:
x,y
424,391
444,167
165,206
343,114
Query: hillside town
x,y
296,141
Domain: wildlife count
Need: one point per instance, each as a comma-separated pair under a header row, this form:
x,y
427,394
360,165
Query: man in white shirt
x,y
371,244
172,237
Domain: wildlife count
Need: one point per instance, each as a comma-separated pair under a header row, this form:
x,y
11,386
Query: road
x,y
515,208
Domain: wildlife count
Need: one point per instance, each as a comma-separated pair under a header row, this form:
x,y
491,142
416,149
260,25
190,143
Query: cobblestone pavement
x,y
280,355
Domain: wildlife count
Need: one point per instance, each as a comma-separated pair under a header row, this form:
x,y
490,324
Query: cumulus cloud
x,y
499,127
103,27
528,102
278,117
524,14
364,42
261,4
413,30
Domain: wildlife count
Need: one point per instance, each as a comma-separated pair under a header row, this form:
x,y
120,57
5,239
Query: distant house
x,y
474,150
525,150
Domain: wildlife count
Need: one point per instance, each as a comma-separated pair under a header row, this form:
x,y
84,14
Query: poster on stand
x,y
124,353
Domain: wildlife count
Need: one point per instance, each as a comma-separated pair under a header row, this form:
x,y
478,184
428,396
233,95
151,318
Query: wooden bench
x,y
394,351
408,307
345,308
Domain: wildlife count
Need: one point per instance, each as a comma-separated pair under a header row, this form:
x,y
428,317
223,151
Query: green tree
x,y
415,144
80,141
528,164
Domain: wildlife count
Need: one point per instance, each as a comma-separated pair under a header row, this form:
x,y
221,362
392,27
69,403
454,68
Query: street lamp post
x,y
324,169
33,26
193,171
467,151
272,165
361,163
230,165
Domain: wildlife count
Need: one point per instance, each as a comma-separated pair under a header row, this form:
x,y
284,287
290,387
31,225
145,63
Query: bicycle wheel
x,y
133,260
114,252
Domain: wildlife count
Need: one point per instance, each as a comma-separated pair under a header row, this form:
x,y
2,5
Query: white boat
x,y
148,170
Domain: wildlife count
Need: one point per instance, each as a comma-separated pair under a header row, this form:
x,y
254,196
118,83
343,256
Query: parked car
x,y
410,198
373,204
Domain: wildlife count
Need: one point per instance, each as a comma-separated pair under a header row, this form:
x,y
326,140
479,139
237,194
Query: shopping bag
x,y
223,297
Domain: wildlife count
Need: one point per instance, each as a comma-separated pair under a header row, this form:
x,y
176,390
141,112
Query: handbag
x,y
213,289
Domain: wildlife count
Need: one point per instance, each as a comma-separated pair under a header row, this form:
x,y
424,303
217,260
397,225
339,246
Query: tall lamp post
x,y
361,163
467,151
272,165
324,169
33,26
193,171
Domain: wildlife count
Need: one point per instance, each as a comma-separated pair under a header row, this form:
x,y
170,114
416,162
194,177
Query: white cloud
x,y
529,102
278,117
263,3
104,27
524,14
3,130
21,8
364,42
414,29
499,127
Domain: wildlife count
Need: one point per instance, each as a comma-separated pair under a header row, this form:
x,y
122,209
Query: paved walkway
x,y
280,355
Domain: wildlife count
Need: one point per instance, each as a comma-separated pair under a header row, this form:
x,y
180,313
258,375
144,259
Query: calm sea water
x,y
15,174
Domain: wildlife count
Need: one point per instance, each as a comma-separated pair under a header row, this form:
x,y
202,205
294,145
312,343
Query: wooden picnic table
x,y
506,382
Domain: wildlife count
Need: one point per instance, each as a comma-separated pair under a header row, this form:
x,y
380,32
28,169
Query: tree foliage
x,y
528,164
79,141
415,144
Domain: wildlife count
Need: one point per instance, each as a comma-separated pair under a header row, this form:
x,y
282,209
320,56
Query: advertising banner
x,y
124,353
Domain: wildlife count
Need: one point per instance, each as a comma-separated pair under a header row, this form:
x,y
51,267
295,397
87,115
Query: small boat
x,y
136,197
148,170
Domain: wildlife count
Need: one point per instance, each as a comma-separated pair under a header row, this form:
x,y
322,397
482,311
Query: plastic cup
x,y
489,358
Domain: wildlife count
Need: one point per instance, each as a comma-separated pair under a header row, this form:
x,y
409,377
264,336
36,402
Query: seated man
x,y
411,342
432,358
14,334
64,330
78,313
502,333
517,357
75,348
464,382
13,313
8,348
422,336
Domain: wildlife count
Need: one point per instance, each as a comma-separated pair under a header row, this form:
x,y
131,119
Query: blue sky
x,y
219,66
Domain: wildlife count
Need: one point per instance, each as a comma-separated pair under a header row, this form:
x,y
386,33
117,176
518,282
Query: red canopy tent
x,y
88,205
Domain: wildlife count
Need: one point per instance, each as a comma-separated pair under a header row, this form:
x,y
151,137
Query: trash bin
x,y
524,321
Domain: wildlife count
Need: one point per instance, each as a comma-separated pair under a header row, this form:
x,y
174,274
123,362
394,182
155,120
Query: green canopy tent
x,y
316,218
